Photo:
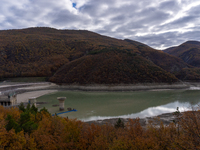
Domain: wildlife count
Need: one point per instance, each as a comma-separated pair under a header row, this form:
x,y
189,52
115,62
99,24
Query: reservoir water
x,y
105,105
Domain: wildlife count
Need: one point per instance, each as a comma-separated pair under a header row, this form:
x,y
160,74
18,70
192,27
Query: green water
x,y
102,105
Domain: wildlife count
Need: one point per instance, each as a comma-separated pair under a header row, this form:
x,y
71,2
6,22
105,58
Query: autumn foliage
x,y
84,57
112,67
62,133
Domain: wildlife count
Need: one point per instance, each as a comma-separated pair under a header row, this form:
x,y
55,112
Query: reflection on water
x,y
105,105
152,111
194,88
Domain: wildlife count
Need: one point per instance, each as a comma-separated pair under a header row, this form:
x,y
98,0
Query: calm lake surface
x,y
105,105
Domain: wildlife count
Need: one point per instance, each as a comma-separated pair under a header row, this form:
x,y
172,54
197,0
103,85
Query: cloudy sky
x,y
157,23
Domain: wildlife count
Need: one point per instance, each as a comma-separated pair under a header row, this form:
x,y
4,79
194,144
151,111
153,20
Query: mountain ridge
x,y
189,52
49,52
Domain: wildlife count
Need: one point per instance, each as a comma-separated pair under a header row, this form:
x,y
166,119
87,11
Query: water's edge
x,y
136,87
165,118
25,87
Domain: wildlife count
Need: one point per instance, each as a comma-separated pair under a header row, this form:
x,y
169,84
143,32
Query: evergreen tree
x,y
24,123
119,124
44,109
33,109
21,107
12,124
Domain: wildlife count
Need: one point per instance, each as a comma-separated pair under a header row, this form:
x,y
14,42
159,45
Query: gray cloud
x,y
157,23
170,5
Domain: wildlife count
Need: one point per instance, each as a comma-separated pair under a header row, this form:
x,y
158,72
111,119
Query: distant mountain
x,y
167,62
189,52
84,57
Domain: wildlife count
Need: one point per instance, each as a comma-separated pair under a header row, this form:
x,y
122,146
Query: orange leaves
x,y
45,135
190,130
11,140
57,133
62,133
14,112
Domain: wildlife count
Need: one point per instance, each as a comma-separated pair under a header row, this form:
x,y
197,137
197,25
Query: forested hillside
x,y
110,68
41,51
83,57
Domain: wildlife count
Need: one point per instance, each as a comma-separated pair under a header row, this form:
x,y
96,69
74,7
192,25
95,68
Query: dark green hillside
x,y
112,67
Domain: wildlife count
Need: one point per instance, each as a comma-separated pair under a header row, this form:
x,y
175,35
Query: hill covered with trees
x,y
84,57
112,67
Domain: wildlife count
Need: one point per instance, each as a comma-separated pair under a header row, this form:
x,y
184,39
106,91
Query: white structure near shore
x,y
8,100
61,103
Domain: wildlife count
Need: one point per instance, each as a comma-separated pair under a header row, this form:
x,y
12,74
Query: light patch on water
x,y
91,112
194,88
